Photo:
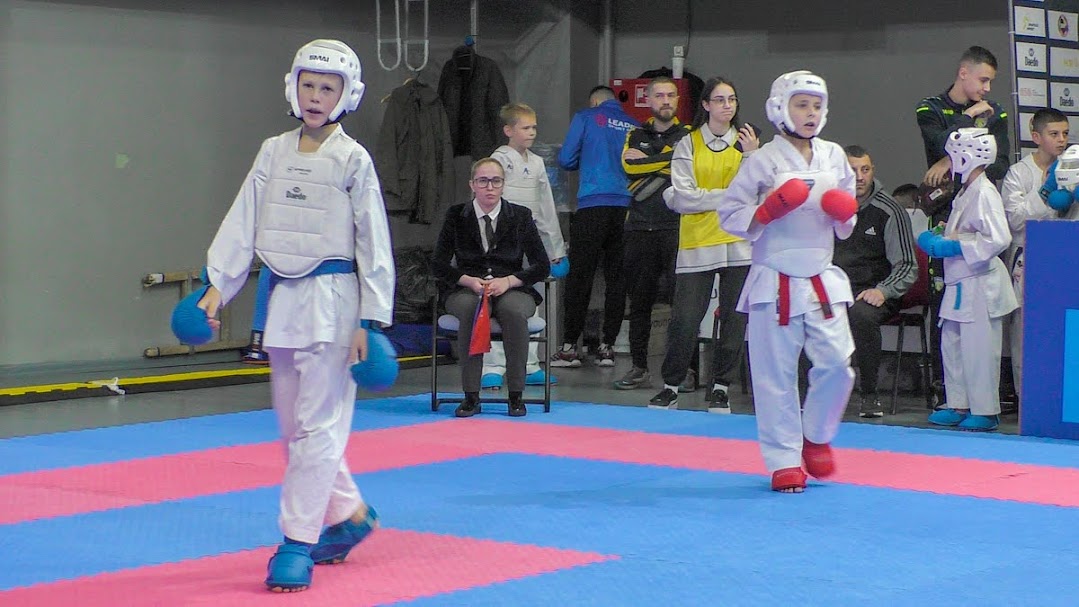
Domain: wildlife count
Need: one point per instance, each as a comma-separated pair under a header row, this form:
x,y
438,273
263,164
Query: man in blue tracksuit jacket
x,y
594,146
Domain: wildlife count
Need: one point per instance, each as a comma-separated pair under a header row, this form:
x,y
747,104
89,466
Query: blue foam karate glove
x,y
1050,184
379,372
938,246
189,323
561,269
1060,200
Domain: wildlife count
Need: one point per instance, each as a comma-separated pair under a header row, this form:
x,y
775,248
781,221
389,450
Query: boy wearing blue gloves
x,y
978,292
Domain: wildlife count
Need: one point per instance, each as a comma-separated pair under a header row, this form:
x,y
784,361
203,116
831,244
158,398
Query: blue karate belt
x,y
958,295
329,266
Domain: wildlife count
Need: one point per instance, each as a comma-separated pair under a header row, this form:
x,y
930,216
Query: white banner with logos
x,y
1046,36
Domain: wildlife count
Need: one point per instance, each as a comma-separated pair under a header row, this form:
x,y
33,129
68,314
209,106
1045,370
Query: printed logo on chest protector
x,y
295,194
298,170
872,231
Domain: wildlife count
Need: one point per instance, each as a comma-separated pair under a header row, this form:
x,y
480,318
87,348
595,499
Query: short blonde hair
x,y
512,112
488,160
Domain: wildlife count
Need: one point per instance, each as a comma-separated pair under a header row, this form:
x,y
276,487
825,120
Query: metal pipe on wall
x,y
474,20
606,44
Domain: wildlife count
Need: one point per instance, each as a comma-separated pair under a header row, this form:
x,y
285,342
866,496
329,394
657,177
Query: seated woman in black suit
x,y
490,239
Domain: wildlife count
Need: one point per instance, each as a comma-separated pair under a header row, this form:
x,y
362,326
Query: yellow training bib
x,y
713,170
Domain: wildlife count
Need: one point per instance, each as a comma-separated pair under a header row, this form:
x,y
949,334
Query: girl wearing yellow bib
x,y
704,163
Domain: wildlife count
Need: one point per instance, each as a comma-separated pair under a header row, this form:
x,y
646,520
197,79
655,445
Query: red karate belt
x,y
480,340
785,298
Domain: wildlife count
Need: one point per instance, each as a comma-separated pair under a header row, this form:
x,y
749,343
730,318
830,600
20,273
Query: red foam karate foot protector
x,y
788,478
818,459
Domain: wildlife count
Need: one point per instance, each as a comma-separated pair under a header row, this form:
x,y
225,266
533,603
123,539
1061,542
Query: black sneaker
x,y
605,356
636,378
719,402
469,406
666,399
871,407
517,406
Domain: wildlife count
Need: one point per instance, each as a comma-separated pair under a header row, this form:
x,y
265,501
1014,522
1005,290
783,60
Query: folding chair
x,y
914,313
445,327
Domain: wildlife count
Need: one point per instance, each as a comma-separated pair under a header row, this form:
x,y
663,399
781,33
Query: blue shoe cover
x,y
980,423
337,540
290,567
947,417
536,378
491,381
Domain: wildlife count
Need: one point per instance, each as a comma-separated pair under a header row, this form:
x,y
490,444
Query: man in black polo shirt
x,y
879,260
962,105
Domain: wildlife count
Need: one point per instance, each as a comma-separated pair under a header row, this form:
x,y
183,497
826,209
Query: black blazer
x,y
516,238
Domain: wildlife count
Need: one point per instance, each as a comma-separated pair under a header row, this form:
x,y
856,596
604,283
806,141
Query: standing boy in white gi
x,y
311,208
978,291
1022,198
528,186
789,199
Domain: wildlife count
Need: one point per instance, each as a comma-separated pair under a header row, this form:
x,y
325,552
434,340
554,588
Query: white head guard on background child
x,y
327,57
969,149
1067,171
787,86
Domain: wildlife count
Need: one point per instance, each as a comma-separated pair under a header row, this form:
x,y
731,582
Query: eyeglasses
x,y
724,100
489,182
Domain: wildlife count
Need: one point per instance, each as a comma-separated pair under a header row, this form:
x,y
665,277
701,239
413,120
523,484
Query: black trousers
x,y
649,261
595,232
692,293
865,321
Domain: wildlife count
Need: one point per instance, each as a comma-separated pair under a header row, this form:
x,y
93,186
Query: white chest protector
x,y
800,244
305,214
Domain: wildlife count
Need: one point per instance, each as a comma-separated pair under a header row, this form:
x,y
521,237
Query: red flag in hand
x,y
480,341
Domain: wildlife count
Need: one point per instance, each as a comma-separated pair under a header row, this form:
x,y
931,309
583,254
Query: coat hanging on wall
x,y
473,91
413,156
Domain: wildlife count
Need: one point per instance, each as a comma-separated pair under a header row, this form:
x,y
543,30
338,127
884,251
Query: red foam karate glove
x,y
839,205
782,200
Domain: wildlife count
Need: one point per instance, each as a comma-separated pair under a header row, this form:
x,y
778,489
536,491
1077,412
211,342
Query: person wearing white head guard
x,y
311,208
791,199
978,292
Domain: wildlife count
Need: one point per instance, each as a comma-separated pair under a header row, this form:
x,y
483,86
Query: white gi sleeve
x,y
683,196
374,249
229,257
848,183
740,200
991,235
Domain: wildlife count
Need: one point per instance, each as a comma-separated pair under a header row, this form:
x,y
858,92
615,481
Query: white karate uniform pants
x,y
314,397
773,353
971,353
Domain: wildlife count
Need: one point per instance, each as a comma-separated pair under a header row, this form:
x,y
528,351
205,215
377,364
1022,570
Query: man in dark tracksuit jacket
x,y
880,262
651,230
962,105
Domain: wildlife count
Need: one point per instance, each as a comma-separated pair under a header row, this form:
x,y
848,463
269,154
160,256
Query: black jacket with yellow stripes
x,y
650,176
939,117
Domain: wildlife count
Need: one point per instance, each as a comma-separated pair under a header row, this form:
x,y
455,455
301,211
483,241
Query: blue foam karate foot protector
x,y
536,378
491,381
947,417
290,567
980,423
337,540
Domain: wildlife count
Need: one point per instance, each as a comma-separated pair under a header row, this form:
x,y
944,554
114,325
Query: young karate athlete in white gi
x,y
978,291
791,199
311,208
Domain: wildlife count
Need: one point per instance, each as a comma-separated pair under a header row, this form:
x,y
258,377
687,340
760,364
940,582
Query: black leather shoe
x,y
469,406
517,406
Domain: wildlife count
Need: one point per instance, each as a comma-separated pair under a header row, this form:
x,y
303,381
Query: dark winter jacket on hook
x,y
413,157
473,91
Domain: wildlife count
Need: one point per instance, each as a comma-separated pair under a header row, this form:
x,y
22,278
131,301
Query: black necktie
x,y
489,231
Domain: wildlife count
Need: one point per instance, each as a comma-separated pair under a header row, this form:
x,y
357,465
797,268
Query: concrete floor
x,y
589,384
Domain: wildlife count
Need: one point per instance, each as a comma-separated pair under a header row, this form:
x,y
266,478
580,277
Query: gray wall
x,y
128,125
880,58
